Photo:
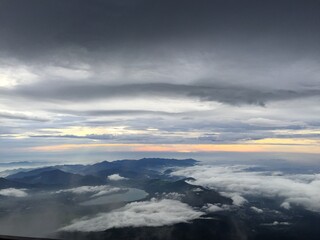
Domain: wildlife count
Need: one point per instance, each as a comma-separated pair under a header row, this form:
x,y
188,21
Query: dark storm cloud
x,y
234,95
252,38
37,28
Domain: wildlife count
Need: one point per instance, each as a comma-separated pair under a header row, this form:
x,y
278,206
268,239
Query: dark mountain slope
x,y
134,165
195,196
30,173
57,177
5,183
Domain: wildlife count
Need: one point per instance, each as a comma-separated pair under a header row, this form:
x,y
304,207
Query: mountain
x,y
193,195
144,163
137,169
151,163
71,168
30,173
56,177
144,168
5,183
95,174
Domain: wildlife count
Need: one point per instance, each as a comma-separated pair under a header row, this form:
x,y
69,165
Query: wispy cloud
x,y
93,190
23,116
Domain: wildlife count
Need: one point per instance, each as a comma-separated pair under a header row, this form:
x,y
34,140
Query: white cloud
x,y
197,190
285,205
237,199
212,208
173,195
11,76
257,210
299,189
95,190
116,177
13,192
276,223
148,213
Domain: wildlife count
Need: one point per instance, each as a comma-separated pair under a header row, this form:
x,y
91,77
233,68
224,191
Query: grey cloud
x,y
124,112
176,130
97,24
229,137
22,116
74,59
127,138
234,95
89,136
295,135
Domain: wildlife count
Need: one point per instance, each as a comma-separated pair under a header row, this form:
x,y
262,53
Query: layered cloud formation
x,y
238,181
147,213
209,72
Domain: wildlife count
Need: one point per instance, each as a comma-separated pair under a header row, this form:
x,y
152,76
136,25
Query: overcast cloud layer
x,y
161,72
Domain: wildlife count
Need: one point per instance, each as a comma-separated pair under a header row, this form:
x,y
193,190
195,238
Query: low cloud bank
x,y
296,189
95,190
147,213
13,192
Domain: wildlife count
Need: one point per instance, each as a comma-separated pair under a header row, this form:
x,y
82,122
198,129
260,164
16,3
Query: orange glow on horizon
x,y
250,147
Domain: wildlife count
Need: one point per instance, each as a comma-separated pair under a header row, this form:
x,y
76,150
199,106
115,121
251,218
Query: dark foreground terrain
x,y
58,196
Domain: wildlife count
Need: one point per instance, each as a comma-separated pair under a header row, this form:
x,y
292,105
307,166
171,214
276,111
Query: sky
x,y
89,79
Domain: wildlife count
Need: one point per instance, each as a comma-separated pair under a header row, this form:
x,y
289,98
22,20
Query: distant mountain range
x,y
96,174
56,177
21,163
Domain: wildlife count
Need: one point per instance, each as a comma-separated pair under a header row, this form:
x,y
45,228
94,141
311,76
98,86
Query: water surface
x,y
133,194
